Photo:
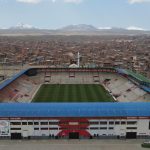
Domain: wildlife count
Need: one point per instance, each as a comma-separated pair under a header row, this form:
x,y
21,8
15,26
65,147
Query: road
x,y
71,145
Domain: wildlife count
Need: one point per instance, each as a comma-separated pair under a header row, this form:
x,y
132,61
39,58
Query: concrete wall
x,y
103,127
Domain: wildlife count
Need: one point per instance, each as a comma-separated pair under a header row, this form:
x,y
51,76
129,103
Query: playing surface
x,y
72,93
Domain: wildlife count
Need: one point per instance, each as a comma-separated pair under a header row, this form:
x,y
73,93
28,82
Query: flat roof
x,y
10,80
138,76
131,109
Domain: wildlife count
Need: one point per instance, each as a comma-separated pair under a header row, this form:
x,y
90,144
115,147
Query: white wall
x,y
118,129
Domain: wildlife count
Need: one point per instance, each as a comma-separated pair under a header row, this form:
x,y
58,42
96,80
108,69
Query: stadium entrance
x,y
74,135
131,135
16,136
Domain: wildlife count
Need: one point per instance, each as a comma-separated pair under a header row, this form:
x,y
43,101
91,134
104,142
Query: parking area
x,y
71,145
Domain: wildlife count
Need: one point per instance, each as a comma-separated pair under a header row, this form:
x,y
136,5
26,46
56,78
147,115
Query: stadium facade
x,y
75,121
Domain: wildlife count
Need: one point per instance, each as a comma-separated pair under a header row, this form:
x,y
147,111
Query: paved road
x,y
71,145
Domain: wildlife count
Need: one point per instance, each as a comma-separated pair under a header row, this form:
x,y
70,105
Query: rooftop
x,y
75,110
138,76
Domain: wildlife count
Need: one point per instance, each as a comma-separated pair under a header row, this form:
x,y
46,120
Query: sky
x,y
53,14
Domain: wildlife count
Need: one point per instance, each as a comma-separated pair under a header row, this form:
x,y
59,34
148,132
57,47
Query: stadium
x,y
69,103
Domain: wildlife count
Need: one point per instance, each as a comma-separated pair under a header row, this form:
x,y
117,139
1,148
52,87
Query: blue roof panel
x,y
75,110
8,81
145,88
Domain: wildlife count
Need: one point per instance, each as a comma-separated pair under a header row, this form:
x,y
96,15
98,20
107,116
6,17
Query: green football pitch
x,y
72,93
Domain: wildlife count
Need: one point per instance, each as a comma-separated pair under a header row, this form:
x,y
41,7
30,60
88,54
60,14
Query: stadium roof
x,y
75,110
138,76
8,81
135,75
146,88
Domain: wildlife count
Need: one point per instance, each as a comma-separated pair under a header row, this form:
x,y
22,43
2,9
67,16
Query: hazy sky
x,y
58,13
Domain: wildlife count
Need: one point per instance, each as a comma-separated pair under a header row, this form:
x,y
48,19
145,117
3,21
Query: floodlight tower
x,y
78,58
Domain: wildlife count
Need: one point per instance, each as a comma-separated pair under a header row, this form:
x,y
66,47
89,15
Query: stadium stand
x,y
22,87
20,90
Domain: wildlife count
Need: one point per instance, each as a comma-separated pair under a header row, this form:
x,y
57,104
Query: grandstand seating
x,y
24,88
21,89
126,90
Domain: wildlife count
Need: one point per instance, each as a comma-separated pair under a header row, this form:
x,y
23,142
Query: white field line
x,y
35,93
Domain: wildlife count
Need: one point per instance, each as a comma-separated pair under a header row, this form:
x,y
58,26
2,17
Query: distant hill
x,y
81,29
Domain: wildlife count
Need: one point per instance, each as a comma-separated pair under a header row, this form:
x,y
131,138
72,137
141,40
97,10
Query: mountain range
x,y
81,29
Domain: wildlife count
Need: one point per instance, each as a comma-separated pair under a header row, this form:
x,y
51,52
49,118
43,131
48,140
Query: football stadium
x,y
75,103
75,85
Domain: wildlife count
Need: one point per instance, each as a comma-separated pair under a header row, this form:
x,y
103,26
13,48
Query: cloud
x,y
29,1
24,26
73,1
38,1
104,28
68,1
135,28
138,1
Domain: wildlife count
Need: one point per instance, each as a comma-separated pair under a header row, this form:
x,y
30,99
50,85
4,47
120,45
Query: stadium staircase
x,y
47,76
96,78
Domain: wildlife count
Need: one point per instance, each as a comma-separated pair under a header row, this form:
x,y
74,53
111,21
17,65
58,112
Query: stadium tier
x,y
75,85
74,120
